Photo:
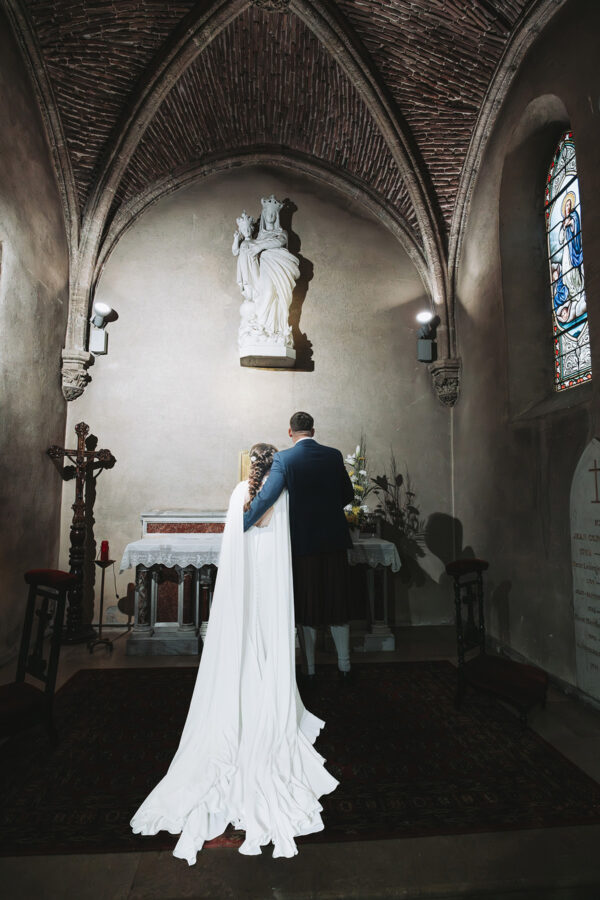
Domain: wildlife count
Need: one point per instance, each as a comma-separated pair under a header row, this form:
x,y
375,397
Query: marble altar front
x,y
175,563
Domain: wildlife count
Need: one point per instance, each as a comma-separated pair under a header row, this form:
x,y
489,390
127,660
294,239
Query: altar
x,y
176,562
377,555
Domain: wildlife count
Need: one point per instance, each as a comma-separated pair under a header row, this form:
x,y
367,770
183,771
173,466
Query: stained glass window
x,y
572,359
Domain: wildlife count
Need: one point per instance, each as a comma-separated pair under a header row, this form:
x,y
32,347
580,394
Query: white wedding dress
x,y
246,753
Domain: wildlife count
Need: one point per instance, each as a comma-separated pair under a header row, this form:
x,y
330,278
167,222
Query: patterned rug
x,y
409,764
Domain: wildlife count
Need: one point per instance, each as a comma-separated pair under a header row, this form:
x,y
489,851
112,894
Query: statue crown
x,y
246,218
271,201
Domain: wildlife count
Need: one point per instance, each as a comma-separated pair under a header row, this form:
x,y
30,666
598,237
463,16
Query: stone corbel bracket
x,y
445,374
74,374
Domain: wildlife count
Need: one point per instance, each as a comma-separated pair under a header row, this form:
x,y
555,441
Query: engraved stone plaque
x,y
585,556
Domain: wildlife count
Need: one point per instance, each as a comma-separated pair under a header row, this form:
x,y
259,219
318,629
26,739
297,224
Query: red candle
x,y
104,551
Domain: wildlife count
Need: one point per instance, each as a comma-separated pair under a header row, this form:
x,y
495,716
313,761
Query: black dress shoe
x,y
346,678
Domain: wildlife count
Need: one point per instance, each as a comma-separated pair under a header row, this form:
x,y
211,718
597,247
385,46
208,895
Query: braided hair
x,y
261,459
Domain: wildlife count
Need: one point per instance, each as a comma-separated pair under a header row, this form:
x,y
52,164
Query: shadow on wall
x,y
444,537
440,543
423,593
304,353
500,609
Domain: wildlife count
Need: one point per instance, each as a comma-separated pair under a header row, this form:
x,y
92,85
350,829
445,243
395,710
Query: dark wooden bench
x,y
520,685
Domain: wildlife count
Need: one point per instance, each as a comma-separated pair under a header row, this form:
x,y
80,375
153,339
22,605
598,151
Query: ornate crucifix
x,y
84,459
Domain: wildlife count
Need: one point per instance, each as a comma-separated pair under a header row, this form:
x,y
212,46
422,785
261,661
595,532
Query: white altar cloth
x,y
173,550
203,550
373,551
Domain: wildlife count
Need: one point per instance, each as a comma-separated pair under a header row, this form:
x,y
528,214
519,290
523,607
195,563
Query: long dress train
x,y
246,753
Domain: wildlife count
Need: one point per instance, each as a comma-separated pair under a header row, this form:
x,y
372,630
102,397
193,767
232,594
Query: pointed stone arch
x,y
183,46
525,33
174,60
350,188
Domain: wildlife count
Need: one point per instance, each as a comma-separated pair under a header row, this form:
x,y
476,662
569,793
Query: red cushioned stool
x,y
520,685
21,703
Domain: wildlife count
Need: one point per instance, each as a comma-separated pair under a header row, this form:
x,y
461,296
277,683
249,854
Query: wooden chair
x,y
21,703
520,685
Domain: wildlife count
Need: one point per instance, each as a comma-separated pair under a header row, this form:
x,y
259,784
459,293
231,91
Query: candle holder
x,y
102,564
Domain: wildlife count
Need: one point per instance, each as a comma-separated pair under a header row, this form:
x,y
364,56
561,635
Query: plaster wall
x,y
171,400
516,443
33,310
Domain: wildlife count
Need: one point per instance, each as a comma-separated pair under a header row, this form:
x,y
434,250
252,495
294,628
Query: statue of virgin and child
x,y
266,273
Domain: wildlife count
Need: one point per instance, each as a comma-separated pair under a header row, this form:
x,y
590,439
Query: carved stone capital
x,y
74,375
445,374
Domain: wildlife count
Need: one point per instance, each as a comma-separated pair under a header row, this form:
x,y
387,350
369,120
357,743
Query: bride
x,y
245,755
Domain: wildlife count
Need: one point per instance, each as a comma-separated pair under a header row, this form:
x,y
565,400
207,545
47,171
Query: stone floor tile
x,y
106,876
493,864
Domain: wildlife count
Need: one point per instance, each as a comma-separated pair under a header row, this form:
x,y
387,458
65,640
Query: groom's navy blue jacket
x,y
318,487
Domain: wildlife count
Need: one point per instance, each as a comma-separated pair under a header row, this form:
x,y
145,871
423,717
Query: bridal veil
x,y
246,753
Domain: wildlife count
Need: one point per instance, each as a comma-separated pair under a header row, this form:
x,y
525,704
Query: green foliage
x,y
397,501
400,520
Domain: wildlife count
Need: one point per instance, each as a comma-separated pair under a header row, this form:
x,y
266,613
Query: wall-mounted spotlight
x,y
98,336
426,345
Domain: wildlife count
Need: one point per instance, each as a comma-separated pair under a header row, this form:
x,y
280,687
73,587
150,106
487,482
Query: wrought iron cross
x,y
83,460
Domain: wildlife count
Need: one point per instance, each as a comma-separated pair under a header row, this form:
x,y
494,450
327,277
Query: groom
x,y
319,488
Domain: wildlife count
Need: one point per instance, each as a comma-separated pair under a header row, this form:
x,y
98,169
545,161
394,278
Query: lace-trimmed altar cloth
x,y
204,549
372,551
173,550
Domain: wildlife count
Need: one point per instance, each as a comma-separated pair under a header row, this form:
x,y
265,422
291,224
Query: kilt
x,y
321,583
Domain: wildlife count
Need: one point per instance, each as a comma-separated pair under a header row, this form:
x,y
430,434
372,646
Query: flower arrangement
x,y
396,509
356,463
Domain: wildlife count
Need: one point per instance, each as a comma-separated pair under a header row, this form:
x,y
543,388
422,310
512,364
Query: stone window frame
x,y
529,340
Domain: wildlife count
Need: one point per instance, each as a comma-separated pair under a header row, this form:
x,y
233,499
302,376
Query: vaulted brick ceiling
x,y
437,58
95,51
269,98
267,81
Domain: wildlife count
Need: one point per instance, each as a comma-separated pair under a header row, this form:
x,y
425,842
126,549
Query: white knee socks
x,y
341,639
310,637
